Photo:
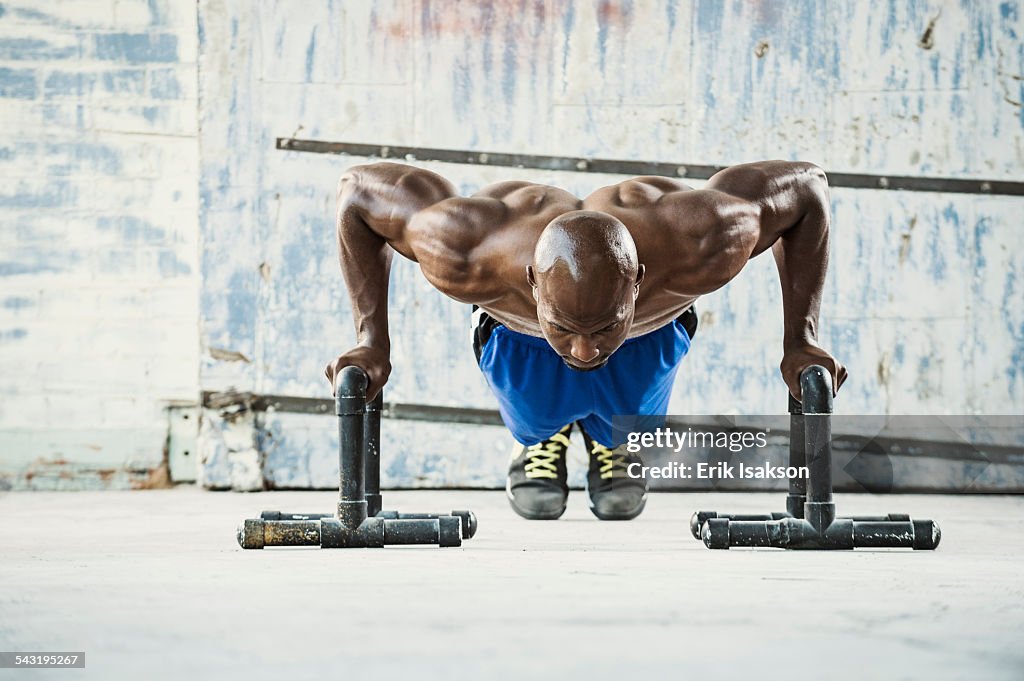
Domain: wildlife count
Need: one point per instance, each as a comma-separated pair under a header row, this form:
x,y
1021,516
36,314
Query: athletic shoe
x,y
614,495
536,486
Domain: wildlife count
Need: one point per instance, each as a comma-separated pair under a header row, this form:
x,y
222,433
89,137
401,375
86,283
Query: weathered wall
x,y
98,238
923,302
100,211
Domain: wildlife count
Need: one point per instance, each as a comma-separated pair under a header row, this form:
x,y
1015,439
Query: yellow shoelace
x,y
611,460
544,456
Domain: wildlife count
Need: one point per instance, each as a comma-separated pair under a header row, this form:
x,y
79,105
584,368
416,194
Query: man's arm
x,y
794,221
375,204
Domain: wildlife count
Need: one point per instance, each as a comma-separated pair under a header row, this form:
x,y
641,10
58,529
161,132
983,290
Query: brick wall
x,y
98,238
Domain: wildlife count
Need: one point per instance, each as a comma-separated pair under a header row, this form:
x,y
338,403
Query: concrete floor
x,y
152,585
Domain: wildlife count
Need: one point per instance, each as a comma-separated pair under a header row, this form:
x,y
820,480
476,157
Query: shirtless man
x,y
583,308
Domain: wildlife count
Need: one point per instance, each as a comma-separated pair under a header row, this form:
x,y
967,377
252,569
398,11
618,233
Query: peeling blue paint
x,y
937,265
137,48
31,49
462,86
76,84
297,257
65,84
708,17
58,192
888,24
11,269
602,42
98,158
984,38
1010,313
41,17
18,83
508,66
310,54
568,21
241,304
807,20
7,335
155,12
981,230
201,28
163,84
18,303
170,265
116,261
132,229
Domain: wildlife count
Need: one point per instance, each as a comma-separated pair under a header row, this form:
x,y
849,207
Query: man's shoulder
x,y
397,182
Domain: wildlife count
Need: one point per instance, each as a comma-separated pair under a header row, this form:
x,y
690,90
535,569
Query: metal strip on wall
x,y
950,185
317,405
896,446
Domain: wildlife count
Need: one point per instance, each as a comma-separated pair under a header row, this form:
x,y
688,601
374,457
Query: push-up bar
x,y
359,521
810,521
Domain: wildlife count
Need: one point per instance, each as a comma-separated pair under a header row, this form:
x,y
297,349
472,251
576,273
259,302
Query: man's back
x,y
476,249
675,243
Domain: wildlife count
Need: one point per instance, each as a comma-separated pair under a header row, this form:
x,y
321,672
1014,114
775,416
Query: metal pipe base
x,y
842,533
810,520
698,519
328,532
467,518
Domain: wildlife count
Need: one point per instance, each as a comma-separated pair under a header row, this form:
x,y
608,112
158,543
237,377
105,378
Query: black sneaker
x,y
614,495
536,485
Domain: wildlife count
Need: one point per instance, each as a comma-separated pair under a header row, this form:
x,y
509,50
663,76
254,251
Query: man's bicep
x,y
783,191
750,181
777,182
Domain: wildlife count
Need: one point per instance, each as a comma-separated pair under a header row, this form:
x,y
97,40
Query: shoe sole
x,y
529,516
617,516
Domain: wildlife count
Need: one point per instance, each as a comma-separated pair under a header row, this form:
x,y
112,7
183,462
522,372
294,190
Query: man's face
x,y
585,330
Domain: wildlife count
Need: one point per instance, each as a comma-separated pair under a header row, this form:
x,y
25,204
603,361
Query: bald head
x,y
585,278
586,244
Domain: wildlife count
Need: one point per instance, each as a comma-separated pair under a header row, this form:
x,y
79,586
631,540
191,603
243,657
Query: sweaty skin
x,y
622,262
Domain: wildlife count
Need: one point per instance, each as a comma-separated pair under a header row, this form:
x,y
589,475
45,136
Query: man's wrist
x,y
372,332
373,343
796,342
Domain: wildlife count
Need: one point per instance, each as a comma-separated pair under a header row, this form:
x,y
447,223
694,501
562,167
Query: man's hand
x,y
798,358
374,361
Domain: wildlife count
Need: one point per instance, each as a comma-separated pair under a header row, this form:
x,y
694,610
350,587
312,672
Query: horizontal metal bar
x,y
427,412
951,185
490,158
317,405
399,411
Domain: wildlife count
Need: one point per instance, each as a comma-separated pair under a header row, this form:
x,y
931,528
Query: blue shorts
x,y
538,394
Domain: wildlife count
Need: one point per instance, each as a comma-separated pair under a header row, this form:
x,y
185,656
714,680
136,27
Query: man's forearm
x,y
366,266
801,254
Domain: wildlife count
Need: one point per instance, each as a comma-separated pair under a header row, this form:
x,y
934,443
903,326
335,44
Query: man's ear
x,y
640,270
532,279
